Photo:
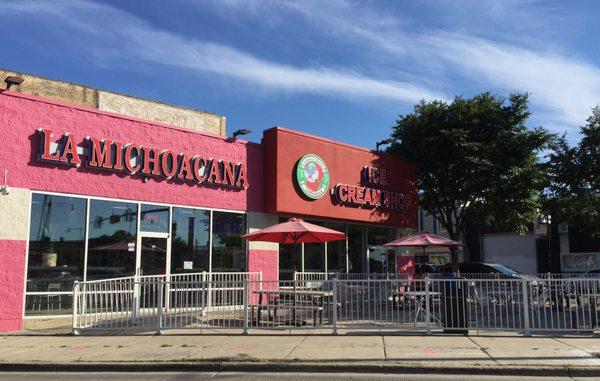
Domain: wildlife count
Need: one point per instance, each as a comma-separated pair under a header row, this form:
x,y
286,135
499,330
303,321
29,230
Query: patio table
x,y
318,298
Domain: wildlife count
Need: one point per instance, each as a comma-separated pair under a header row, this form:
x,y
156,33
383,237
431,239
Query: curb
x,y
303,367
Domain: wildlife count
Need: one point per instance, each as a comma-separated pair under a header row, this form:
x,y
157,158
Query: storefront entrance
x,y
361,252
153,255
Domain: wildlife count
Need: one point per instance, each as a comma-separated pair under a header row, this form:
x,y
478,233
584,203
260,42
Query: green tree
x,y
574,191
477,161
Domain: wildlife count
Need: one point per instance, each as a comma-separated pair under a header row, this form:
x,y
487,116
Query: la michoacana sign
x,y
134,159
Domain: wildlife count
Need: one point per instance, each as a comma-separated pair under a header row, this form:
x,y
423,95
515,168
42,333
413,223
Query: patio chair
x,y
51,298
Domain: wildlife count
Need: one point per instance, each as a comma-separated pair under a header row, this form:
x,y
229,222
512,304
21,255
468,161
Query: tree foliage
x,y
574,191
477,161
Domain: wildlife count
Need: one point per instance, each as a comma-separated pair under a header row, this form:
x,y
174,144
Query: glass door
x,y
151,291
153,256
356,249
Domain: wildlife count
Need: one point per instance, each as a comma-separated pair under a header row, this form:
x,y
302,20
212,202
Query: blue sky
x,y
341,69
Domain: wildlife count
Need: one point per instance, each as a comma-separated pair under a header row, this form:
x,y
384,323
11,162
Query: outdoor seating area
x,y
289,306
425,305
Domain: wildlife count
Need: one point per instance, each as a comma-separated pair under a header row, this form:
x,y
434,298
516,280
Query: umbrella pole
x,y
294,251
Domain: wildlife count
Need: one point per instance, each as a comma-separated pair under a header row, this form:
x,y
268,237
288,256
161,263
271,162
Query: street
x,y
180,376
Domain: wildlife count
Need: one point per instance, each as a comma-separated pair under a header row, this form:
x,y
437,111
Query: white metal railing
x,y
568,276
308,275
137,301
245,301
318,276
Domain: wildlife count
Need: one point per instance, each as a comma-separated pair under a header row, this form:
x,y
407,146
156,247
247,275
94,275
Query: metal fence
x,y
140,301
320,276
244,301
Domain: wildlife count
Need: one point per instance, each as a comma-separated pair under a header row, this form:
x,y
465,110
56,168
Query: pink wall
x,y
12,271
21,115
266,261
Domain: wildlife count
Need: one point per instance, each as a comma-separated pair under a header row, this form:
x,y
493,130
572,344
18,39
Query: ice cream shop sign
x,y
370,195
134,159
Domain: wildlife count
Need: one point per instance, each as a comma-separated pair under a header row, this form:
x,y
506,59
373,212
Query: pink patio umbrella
x,y
295,231
424,239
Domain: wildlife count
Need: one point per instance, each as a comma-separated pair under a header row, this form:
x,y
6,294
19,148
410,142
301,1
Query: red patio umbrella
x,y
424,239
295,231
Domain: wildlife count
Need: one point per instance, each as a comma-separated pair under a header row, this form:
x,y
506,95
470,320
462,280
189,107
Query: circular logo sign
x,y
312,176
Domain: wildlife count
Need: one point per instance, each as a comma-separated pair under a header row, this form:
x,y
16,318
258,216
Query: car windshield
x,y
505,269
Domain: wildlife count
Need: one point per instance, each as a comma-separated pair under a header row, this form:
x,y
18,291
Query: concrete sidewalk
x,y
484,354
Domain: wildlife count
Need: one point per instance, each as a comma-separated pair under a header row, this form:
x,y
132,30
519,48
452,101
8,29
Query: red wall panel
x,y
282,150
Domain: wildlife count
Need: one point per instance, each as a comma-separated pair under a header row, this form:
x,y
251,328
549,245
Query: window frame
x,y
139,203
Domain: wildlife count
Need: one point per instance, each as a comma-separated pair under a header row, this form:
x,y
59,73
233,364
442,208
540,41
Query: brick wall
x,y
266,261
122,104
263,256
14,219
12,272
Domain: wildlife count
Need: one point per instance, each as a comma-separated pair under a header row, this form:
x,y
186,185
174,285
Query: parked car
x,y
483,268
426,268
491,270
495,282
593,273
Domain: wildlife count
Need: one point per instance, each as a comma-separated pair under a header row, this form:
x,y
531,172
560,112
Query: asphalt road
x,y
174,376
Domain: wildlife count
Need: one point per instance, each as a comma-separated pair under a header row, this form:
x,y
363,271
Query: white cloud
x,y
411,62
348,21
100,28
563,88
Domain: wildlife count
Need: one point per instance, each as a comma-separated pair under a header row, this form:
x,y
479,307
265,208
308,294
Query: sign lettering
x,y
369,195
130,158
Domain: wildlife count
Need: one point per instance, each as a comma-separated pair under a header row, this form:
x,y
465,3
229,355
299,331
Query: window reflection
x,y
356,249
379,261
314,254
56,251
112,239
190,242
336,251
286,261
155,218
228,247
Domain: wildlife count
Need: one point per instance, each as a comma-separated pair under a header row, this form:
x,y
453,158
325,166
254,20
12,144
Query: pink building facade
x,y
92,195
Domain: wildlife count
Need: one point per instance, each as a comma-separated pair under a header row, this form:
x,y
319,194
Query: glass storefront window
x,y
57,244
155,218
286,261
56,252
439,259
112,239
228,247
314,254
580,262
378,255
190,240
336,251
356,249
314,257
